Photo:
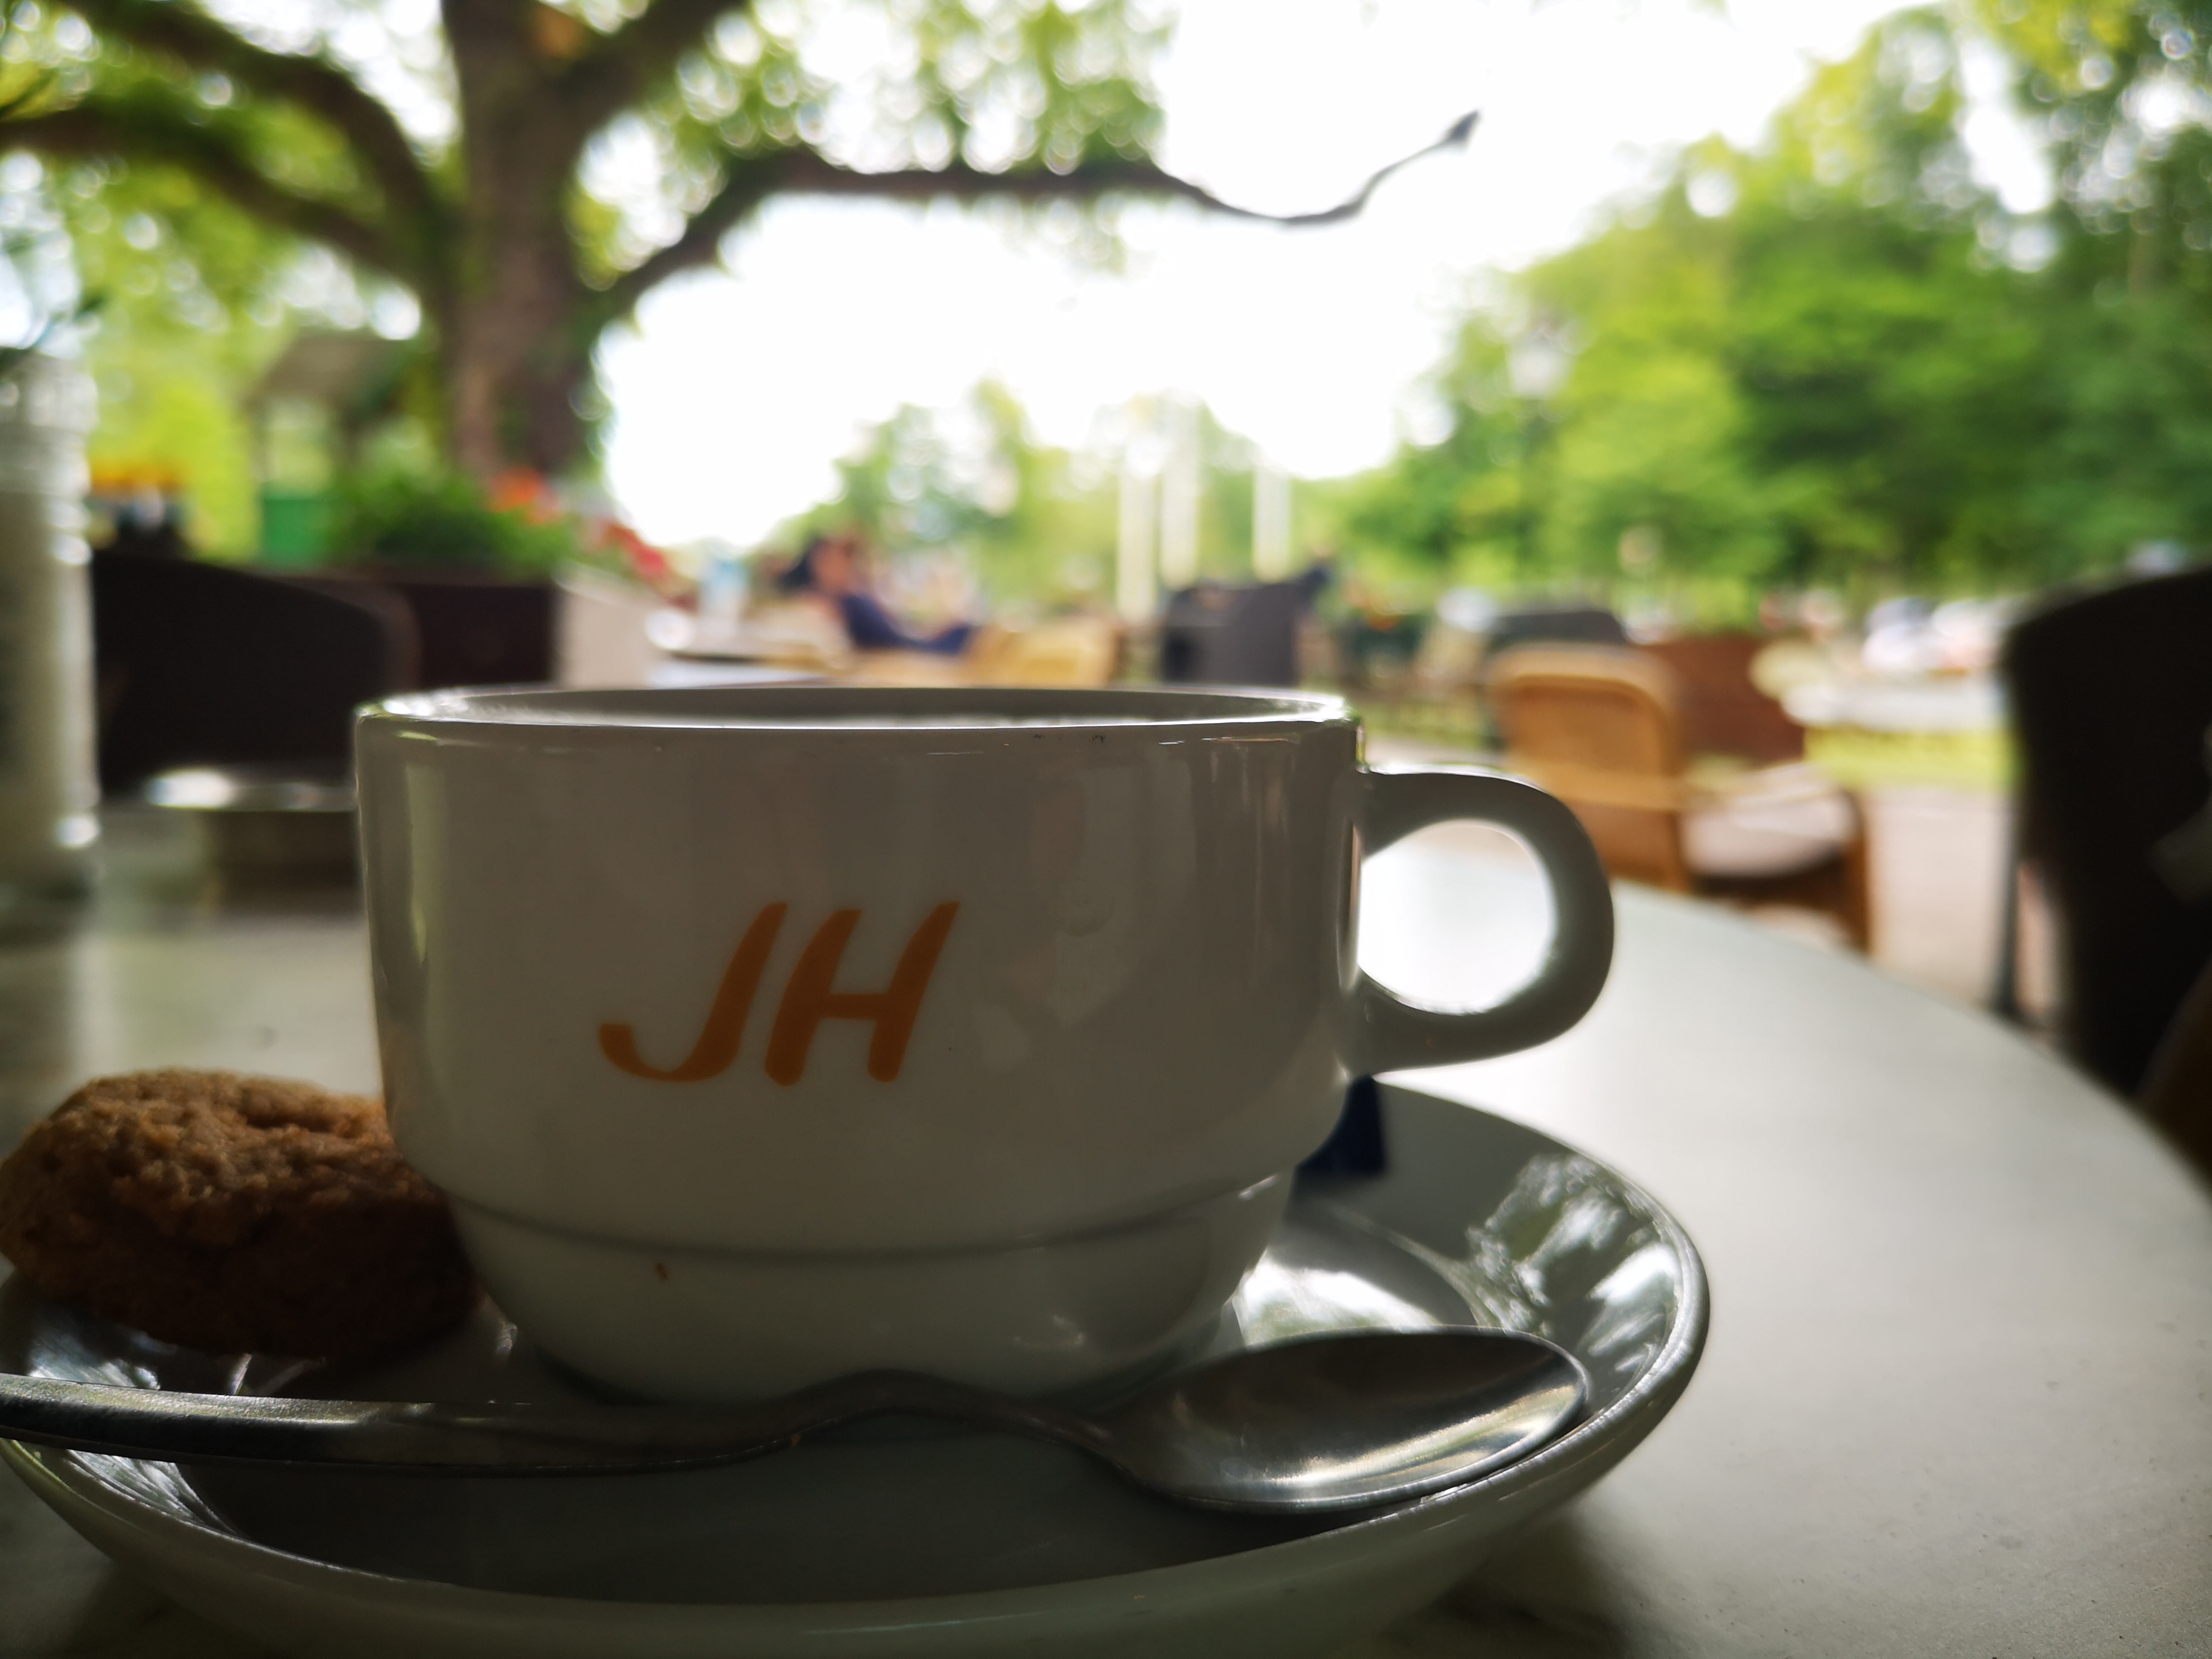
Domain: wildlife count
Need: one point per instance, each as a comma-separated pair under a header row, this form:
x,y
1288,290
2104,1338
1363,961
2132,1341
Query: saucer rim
x,y
74,1489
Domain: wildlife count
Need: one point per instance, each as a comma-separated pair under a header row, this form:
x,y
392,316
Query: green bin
x,y
296,527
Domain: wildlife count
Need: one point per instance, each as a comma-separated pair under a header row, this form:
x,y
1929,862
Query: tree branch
x,y
749,184
143,132
805,172
313,83
622,69
800,171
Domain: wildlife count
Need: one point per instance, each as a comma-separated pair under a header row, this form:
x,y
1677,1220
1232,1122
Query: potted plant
x,y
476,576
477,567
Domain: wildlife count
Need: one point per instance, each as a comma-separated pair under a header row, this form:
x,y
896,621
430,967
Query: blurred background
x,y
1692,430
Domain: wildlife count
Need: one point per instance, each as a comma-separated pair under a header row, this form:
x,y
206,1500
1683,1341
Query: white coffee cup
x,y
763,1035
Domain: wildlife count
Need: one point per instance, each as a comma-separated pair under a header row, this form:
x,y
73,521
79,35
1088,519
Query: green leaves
x,y
407,520
1855,366
969,91
1027,519
567,157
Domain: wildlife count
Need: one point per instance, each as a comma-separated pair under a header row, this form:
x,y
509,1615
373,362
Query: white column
x,y
1179,497
1135,593
1271,521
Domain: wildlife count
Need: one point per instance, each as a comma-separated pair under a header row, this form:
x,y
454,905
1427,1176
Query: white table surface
x,y
1958,1396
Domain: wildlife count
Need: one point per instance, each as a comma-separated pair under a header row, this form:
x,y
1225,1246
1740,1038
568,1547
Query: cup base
x,y
680,1324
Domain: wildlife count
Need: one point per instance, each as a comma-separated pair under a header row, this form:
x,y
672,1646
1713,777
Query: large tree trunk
x,y
515,329
516,356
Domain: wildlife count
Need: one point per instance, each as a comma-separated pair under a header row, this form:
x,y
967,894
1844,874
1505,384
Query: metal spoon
x,y
1330,1422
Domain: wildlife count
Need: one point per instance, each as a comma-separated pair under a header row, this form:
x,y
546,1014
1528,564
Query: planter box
x,y
470,630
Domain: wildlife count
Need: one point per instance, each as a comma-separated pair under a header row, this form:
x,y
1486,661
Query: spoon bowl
x,y
1330,1422
1336,1422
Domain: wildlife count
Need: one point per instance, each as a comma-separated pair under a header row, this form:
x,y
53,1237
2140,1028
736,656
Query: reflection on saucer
x,y
869,1540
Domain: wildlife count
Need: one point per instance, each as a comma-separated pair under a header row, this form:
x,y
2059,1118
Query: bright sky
x,y
737,390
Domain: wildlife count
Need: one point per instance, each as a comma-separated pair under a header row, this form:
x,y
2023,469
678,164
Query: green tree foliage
x,y
1839,360
183,296
198,298
490,201
2121,91
1033,523
72,295
529,170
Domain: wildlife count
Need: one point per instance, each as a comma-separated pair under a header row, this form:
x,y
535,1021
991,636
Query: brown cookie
x,y
235,1214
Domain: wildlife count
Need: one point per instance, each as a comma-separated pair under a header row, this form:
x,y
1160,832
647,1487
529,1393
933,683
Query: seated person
x,y
835,570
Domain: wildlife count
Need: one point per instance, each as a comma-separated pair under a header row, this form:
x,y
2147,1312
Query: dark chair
x,y
198,664
2111,694
479,632
469,630
1217,634
2177,1092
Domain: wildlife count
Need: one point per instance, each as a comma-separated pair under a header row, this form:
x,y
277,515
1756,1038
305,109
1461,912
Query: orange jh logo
x,y
809,998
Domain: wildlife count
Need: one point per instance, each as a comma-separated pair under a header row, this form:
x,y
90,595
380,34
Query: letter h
x,y
811,997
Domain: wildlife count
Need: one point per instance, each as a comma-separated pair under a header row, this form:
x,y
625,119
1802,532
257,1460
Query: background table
x,y
1958,1396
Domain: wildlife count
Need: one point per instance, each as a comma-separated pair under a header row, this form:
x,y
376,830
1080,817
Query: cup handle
x,y
1386,1031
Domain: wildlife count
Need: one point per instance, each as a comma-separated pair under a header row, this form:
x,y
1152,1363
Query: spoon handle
x,y
492,1438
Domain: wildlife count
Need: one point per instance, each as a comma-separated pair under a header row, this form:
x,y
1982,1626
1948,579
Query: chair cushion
x,y
1783,829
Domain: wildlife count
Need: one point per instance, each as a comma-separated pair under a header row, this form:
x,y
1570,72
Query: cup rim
x,y
825,710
